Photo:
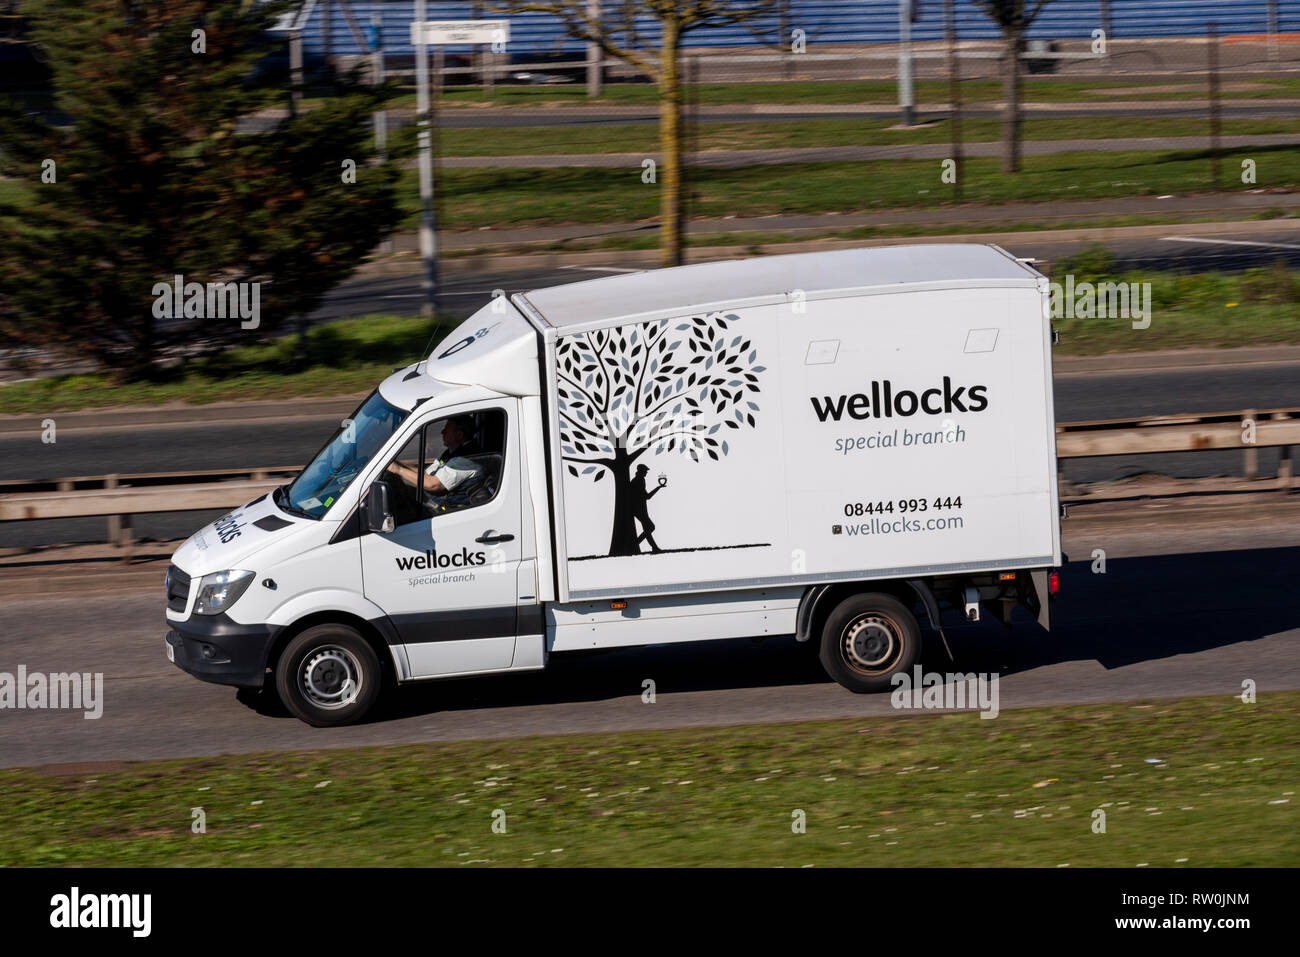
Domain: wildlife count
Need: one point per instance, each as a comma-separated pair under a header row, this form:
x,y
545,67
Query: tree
x,y
151,181
666,386
581,18
1014,23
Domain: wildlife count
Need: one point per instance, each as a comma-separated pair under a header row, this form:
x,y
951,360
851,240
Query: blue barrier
x,y
823,21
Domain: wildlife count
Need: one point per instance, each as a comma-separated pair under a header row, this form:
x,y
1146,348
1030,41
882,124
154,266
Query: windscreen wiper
x,y
281,499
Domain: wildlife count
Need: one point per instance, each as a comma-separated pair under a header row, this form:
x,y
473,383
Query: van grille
x,y
178,588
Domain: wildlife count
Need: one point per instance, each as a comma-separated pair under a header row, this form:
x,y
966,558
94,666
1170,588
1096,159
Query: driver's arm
x,y
405,472
409,475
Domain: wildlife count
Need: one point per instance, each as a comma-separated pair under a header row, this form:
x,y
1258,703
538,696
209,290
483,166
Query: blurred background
x,y
272,149
1145,142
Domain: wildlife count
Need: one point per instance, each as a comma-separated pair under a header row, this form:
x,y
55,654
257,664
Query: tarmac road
x,y
1183,609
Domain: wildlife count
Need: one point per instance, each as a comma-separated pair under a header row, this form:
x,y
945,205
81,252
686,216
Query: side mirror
x,y
376,513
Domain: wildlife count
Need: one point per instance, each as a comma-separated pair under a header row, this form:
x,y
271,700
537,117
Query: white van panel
x,y
800,472
660,619
469,656
537,506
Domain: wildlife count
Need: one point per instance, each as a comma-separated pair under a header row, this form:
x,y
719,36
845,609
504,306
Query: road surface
x,y
1183,609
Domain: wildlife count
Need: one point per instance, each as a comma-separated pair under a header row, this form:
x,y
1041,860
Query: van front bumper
x,y
215,648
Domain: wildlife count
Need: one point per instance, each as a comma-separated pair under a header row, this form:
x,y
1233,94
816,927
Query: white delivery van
x,y
829,446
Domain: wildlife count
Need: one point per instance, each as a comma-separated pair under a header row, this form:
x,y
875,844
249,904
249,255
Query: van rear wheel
x,y
329,675
867,640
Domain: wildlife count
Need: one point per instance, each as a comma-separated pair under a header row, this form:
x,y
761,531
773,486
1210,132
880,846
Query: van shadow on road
x,y
1145,609
1142,609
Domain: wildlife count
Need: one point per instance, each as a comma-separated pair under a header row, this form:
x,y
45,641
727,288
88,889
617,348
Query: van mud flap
x,y
1037,600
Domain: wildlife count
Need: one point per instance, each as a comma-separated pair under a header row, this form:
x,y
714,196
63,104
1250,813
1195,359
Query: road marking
x,y
1228,242
445,292
603,268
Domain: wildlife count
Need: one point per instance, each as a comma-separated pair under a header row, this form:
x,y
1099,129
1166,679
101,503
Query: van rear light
x,y
1053,582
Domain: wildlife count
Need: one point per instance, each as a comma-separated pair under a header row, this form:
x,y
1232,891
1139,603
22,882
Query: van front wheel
x,y
328,675
868,639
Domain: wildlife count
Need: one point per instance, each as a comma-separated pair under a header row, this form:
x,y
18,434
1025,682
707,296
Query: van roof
x,y
689,287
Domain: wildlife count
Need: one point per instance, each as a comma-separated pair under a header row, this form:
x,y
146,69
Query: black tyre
x,y
328,675
868,639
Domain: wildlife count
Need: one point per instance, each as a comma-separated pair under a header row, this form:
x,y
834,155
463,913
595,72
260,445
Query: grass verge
x,y
809,132
755,240
1260,306
852,92
544,196
335,358
1206,782
501,197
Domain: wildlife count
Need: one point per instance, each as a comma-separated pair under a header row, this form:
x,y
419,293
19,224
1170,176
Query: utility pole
x,y
439,33
1212,46
376,39
1272,31
595,77
954,94
1105,29
428,249
327,25
906,101
295,71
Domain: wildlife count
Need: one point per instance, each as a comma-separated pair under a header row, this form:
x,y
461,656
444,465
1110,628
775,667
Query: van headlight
x,y
220,590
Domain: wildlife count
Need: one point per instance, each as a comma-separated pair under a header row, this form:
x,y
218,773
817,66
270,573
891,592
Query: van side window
x,y
465,453
449,465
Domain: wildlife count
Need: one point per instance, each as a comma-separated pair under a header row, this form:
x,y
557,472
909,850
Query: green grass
x,y
1209,782
1258,307
1035,90
501,197
757,241
810,133
335,358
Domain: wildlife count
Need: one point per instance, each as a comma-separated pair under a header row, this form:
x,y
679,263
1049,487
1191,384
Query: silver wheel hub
x,y
330,678
871,643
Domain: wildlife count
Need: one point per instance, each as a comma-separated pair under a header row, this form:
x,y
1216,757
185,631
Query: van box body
x,y
811,437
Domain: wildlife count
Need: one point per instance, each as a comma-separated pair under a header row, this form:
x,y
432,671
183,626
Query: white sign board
x,y
293,20
461,31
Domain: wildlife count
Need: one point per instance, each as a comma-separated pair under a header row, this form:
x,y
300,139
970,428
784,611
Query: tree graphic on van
x,y
667,386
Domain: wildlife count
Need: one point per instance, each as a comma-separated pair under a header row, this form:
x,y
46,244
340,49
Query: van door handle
x,y
491,538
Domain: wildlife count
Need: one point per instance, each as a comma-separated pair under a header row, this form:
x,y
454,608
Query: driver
x,y
451,469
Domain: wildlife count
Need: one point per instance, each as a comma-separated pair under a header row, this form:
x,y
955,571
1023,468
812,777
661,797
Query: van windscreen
x,y
344,456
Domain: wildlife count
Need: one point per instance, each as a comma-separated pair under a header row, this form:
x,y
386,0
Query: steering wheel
x,y
392,470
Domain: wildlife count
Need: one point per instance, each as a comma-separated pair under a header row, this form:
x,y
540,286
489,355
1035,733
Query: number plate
x,y
171,652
